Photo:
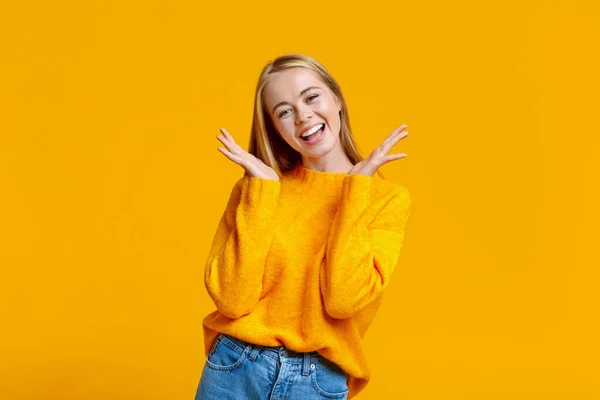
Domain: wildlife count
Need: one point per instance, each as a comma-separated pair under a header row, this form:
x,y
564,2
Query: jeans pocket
x,y
225,354
330,380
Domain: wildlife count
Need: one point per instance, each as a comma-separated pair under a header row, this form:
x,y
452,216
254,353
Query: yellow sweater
x,y
303,262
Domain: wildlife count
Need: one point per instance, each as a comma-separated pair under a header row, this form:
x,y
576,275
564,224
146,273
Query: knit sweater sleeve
x,y
361,254
235,266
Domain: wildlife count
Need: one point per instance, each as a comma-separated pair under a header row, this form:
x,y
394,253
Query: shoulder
x,y
251,188
393,198
235,194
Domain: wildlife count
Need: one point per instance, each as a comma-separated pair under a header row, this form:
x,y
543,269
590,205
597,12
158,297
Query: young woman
x,y
305,248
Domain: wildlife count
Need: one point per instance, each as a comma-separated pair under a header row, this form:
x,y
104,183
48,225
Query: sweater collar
x,y
310,181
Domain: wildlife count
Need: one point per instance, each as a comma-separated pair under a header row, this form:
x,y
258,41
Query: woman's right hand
x,y
254,166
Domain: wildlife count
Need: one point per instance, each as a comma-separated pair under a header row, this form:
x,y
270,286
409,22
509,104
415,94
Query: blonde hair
x,y
266,144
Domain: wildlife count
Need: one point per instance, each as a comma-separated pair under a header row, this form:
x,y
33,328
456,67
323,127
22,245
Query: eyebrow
x,y
301,93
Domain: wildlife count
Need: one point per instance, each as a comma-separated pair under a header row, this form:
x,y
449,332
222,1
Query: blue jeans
x,y
239,370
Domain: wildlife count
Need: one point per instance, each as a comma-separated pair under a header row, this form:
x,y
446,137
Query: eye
x,y
309,98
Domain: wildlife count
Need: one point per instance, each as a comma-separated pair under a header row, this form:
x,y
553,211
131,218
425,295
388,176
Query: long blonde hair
x,y
266,144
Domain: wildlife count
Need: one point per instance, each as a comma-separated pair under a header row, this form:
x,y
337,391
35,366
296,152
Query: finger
x,y
231,146
386,147
400,128
392,157
230,155
230,138
228,135
395,132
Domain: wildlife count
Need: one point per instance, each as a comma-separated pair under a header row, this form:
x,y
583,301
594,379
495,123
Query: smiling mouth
x,y
306,138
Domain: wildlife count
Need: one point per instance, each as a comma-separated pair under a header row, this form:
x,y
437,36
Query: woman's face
x,y
297,100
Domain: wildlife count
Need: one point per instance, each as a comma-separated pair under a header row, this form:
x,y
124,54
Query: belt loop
x,y
305,367
254,352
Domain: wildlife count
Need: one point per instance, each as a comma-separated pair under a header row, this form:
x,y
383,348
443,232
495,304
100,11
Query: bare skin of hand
x,y
380,155
252,165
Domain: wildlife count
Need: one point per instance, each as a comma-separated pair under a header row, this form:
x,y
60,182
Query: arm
x,y
234,269
361,255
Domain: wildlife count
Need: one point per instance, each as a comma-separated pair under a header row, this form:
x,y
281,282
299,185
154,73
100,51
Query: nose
x,y
303,115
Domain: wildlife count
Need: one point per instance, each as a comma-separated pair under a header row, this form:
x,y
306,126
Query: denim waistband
x,y
277,352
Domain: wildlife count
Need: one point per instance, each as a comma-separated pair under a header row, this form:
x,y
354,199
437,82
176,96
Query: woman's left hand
x,y
380,155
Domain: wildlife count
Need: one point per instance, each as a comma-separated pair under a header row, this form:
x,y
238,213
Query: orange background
x,y
112,187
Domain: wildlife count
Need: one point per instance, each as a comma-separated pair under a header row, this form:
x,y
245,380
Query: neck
x,y
338,162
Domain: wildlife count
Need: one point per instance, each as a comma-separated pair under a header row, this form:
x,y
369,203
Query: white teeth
x,y
311,131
